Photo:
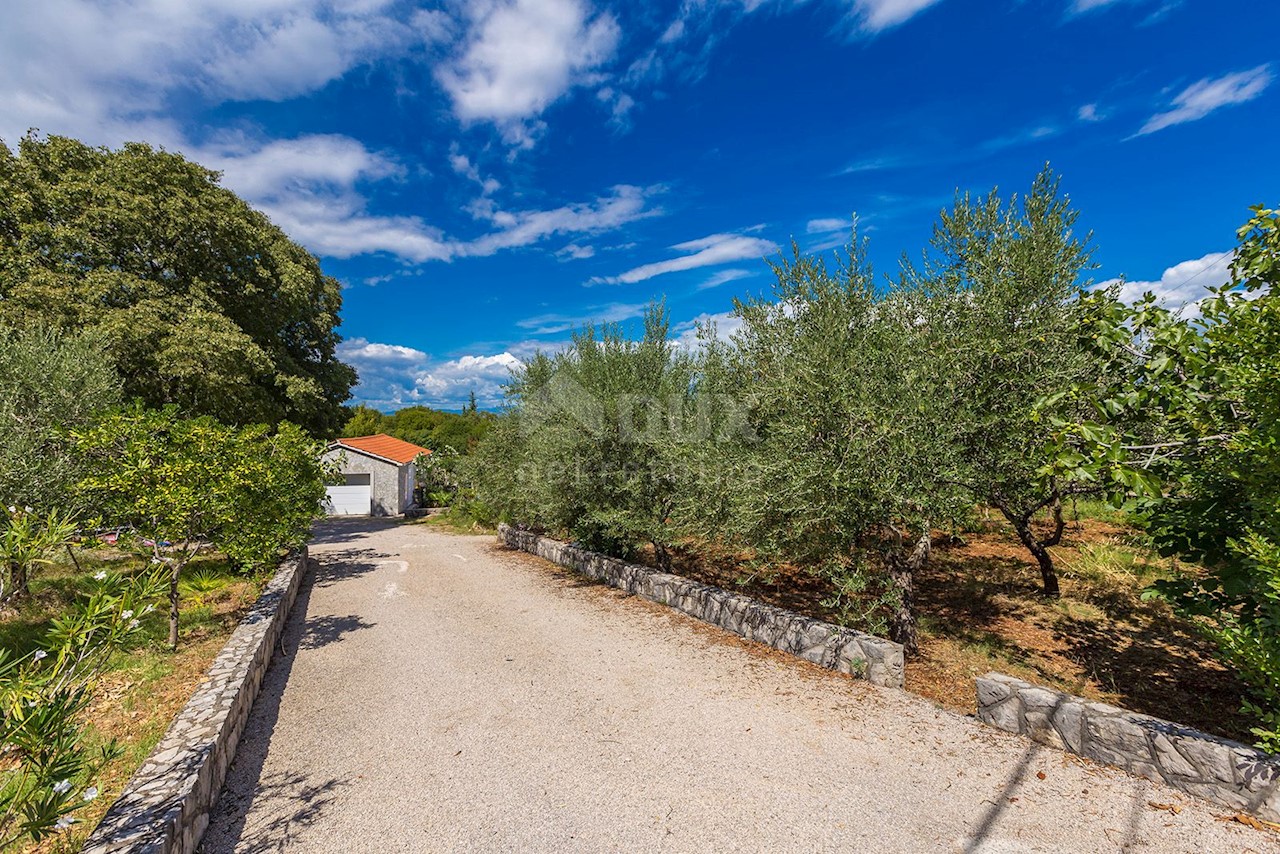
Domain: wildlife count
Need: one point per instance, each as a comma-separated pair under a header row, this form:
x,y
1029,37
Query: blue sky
x,y
486,175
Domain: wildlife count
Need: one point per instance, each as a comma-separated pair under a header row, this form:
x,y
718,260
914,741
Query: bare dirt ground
x,y
440,693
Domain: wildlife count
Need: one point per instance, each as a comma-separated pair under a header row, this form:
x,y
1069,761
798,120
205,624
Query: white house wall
x,y
385,480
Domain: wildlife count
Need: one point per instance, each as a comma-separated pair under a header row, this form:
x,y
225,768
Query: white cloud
x,y
703,252
1089,113
624,204
1204,96
726,324
1182,285
523,55
876,15
827,225
100,70
556,323
311,187
723,277
308,187
392,376
574,252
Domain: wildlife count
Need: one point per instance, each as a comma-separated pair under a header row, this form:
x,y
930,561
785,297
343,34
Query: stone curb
x,y
165,806
865,656
1216,769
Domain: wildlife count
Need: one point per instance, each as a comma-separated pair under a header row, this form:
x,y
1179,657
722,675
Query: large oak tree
x,y
202,302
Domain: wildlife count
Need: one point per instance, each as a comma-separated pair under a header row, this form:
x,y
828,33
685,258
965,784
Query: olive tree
x,y
588,444
843,475
188,485
998,292
50,383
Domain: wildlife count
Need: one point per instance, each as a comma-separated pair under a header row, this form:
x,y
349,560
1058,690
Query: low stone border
x,y
165,807
1226,772
877,660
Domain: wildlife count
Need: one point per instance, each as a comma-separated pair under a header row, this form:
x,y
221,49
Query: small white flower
x,y
13,509
126,615
133,624
100,576
148,609
62,788
28,509
39,654
64,822
91,793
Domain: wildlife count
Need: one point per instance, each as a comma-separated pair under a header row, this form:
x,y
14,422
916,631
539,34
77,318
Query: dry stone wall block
x,y
1216,769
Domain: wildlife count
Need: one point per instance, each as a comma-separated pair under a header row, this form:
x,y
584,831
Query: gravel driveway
x,y
441,693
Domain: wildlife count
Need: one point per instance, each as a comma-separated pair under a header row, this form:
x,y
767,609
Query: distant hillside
x,y
422,425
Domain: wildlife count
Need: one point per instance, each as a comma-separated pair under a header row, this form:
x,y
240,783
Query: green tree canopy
x,y
433,429
200,300
998,294
50,383
189,483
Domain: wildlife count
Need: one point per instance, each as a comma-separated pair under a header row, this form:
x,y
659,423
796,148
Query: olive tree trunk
x,y
902,570
1039,547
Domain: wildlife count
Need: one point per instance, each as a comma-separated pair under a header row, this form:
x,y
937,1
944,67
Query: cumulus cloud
x,y
520,56
1183,285
703,252
1204,96
309,187
393,376
96,70
574,252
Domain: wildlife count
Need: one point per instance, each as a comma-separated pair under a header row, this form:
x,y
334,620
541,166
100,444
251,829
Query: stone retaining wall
x,y
165,807
877,660
1226,772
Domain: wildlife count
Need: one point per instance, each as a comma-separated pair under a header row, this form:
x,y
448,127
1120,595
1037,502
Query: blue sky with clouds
x,y
486,175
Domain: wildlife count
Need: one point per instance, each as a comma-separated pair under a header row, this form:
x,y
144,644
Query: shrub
x,y
47,768
185,485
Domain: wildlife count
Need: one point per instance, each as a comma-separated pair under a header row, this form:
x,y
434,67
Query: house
x,y
379,476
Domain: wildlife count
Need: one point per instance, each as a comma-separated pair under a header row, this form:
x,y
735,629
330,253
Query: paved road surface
x,y
444,694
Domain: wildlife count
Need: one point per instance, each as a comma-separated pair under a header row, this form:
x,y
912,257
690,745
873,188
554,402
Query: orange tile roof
x,y
387,447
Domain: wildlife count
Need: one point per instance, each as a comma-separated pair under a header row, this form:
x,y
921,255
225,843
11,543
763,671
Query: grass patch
x,y
456,520
144,687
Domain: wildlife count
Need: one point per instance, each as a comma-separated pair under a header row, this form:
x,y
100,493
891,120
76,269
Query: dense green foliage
x,y
998,294
845,422
844,472
429,428
184,485
591,444
50,383
49,765
200,301
1192,431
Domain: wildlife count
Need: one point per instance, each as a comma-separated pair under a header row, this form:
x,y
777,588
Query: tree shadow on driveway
x,y
290,801
335,530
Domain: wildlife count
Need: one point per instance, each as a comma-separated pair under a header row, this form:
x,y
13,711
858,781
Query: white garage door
x,y
352,499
